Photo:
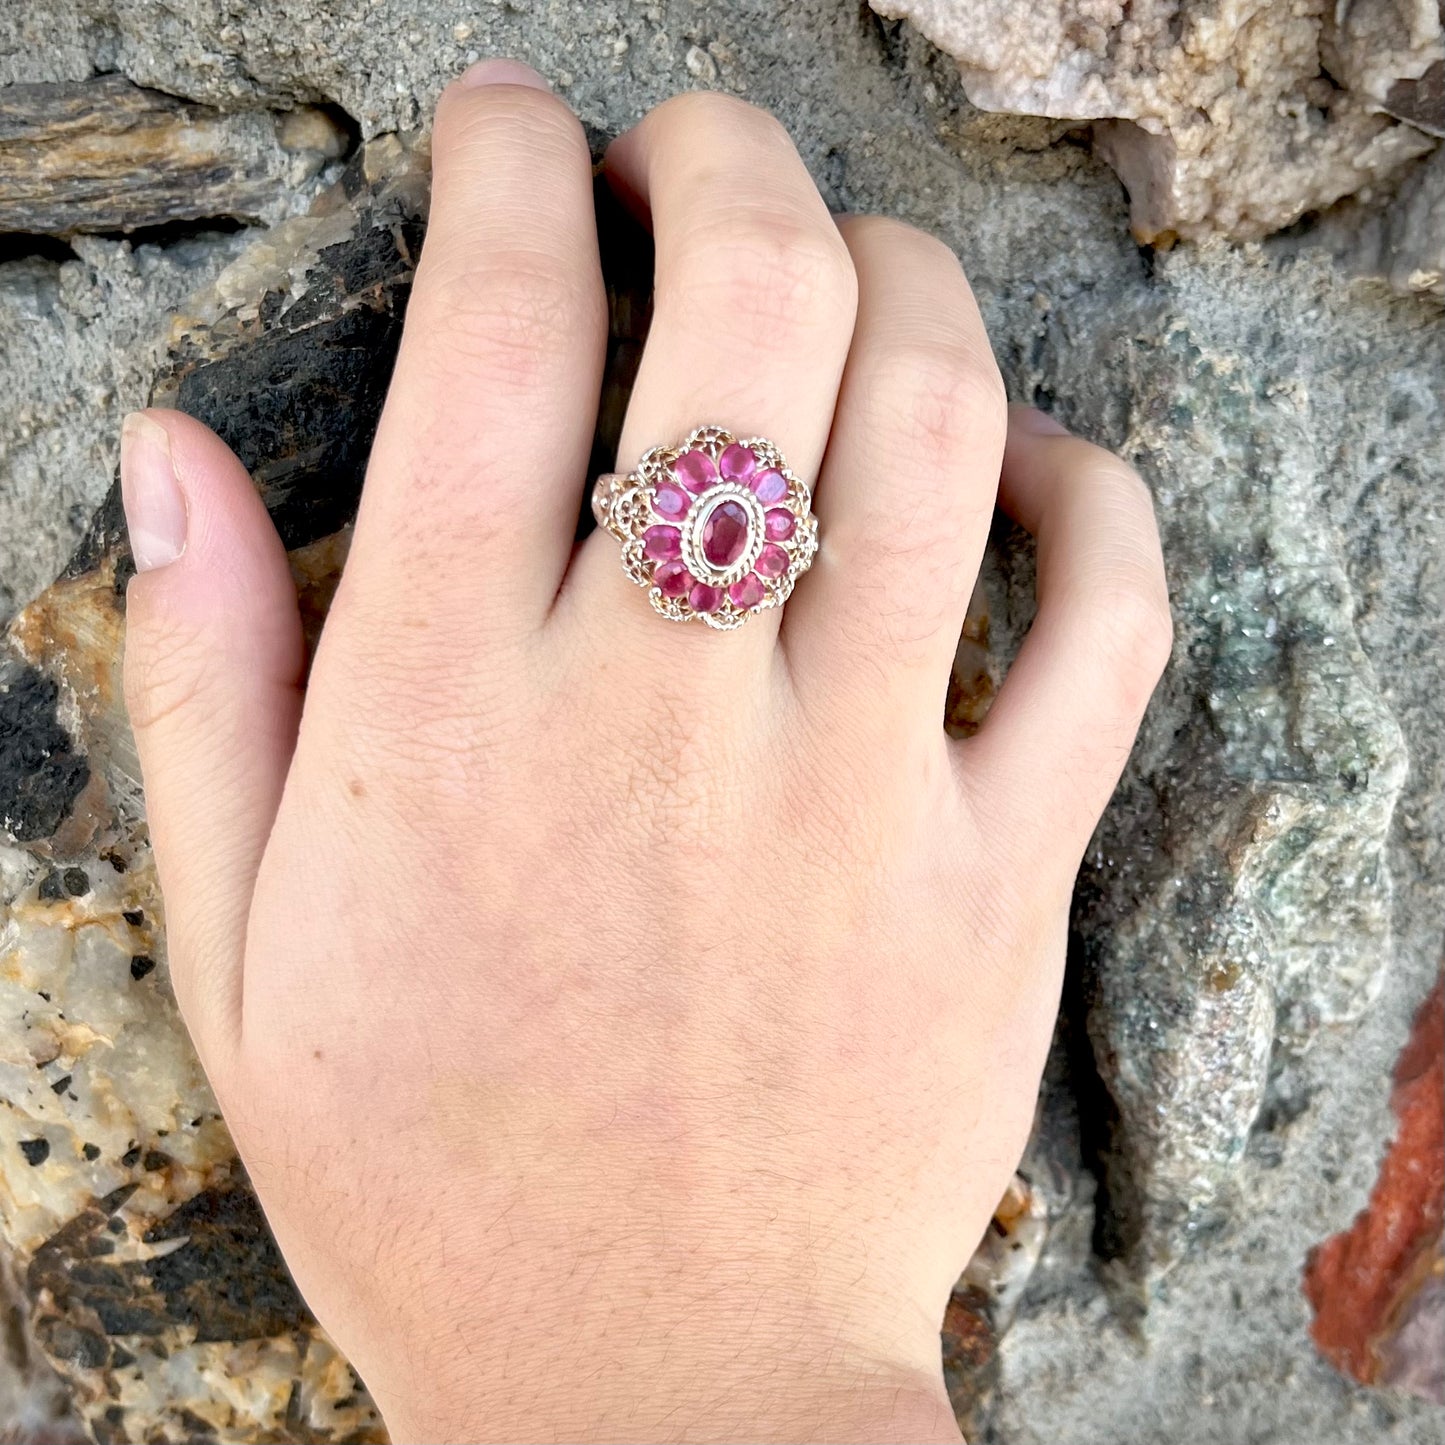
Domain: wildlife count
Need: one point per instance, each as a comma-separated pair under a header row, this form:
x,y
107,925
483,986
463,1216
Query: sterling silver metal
x,y
623,505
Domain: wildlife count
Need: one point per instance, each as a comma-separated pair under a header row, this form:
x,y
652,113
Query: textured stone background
x,y
1263,911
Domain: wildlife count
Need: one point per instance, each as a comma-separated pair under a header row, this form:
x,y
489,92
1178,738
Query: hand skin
x,y
629,1028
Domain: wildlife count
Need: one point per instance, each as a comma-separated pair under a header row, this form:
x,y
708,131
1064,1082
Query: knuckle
x,y
943,398
1132,606
513,325
1123,487
769,277
1146,627
1131,569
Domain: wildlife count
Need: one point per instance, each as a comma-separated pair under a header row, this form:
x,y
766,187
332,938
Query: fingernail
x,y
155,510
501,72
1037,423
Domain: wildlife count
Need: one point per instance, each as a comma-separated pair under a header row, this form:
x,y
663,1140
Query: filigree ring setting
x,y
715,528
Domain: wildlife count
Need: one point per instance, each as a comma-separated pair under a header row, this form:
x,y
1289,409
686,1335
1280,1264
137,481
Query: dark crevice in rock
x,y
104,535
1098,1115
626,252
23,246
598,139
344,122
1300,229
170,233
885,35
1286,1099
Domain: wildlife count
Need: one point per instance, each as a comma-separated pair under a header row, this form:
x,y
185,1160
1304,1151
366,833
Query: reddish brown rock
x,y
985,1300
1378,1289
974,680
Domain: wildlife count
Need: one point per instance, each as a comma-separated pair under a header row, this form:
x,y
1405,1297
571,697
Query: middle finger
x,y
754,303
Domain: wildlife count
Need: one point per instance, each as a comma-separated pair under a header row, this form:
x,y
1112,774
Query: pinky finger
x,y
1058,735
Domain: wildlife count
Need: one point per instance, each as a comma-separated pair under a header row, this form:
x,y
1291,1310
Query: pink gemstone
x,y
663,543
725,534
696,471
703,598
672,579
780,525
749,592
772,562
670,501
769,486
737,463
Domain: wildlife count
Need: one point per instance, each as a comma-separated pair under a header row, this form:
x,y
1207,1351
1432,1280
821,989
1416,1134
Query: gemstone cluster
x,y
715,528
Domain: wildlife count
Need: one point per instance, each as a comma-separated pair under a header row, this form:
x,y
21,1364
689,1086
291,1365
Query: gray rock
x,y
1223,1352
1405,241
79,342
1237,893
1220,1091
106,155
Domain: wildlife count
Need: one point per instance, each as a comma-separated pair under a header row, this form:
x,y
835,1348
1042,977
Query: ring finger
x,y
754,302
908,489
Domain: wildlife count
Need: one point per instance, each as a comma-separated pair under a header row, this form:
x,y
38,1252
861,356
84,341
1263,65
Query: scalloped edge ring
x,y
716,528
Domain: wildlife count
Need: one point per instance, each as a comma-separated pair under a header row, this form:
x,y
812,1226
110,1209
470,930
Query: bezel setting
x,y
694,524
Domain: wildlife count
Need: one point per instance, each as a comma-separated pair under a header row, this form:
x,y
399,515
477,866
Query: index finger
x,y
472,496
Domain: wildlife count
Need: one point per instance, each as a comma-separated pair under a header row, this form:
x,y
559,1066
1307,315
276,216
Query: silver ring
x,y
715,528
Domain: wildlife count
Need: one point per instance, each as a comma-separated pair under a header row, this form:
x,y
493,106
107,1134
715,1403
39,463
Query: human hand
x,y
629,1027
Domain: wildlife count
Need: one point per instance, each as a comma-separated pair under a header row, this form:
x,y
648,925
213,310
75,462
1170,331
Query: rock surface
x,y
1236,898
1223,1351
1230,119
1404,241
1213,1108
150,1280
79,343
106,155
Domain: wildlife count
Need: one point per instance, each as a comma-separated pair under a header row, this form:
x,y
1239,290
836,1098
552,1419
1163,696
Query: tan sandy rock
x,y
1234,117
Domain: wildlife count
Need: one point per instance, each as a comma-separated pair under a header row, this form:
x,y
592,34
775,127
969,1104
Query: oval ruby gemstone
x,y
748,592
725,534
780,525
772,562
672,579
737,463
662,543
696,471
703,598
669,501
769,486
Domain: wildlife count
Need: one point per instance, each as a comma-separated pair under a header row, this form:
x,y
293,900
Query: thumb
x,y
214,668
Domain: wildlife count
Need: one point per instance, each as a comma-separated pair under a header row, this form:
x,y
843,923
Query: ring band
x,y
715,528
